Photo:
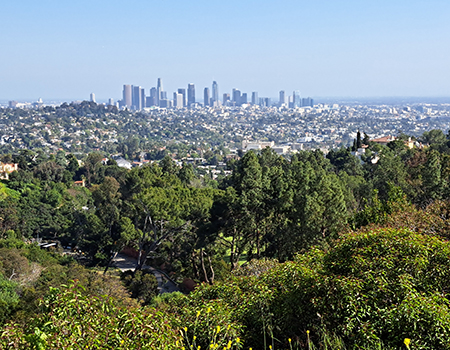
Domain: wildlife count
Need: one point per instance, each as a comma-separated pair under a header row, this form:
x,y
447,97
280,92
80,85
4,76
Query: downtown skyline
x,y
136,98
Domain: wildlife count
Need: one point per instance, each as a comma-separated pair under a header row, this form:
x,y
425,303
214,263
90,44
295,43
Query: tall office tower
x,y
226,99
215,93
111,102
307,102
282,98
93,97
206,101
296,99
191,94
127,96
178,100
152,98
255,99
266,101
137,98
183,92
244,99
143,102
159,89
236,97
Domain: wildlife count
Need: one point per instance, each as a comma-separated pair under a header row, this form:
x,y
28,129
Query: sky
x,y
59,49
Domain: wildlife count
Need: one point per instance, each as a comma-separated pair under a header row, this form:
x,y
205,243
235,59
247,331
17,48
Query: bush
x,y
9,298
372,288
142,286
70,319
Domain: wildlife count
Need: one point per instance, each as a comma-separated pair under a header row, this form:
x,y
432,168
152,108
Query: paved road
x,y
126,263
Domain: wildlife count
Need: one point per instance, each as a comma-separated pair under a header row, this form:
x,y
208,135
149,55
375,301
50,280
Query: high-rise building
x,y
151,100
137,98
159,89
255,99
244,99
297,101
111,102
127,96
307,102
264,102
215,92
226,99
236,97
282,98
143,102
93,97
206,97
183,92
178,100
191,94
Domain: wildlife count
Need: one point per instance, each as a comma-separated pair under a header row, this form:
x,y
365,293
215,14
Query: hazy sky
x,y
67,49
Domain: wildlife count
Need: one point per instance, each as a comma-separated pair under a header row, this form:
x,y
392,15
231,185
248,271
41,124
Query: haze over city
x,y
66,50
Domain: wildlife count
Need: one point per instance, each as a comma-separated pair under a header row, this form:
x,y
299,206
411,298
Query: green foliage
x,y
9,298
69,319
142,285
372,288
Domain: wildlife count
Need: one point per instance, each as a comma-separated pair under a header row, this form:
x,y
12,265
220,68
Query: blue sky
x,y
68,49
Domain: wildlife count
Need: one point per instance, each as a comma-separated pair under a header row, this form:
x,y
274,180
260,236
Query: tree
x,y
92,165
433,183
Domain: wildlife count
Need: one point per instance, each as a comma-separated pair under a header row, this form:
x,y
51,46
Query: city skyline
x,y
344,48
135,98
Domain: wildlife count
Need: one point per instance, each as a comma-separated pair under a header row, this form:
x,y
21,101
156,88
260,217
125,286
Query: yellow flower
x,y
407,341
307,332
218,329
198,313
238,340
208,310
195,337
289,340
229,344
270,347
185,329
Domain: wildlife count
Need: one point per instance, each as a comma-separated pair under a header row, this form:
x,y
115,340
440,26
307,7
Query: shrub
x,y
71,320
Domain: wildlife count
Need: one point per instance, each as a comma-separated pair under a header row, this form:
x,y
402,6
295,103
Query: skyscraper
x,y
143,98
127,96
191,94
215,92
137,98
159,89
226,99
236,97
151,101
244,99
307,102
282,98
93,97
255,99
183,92
296,99
178,100
206,97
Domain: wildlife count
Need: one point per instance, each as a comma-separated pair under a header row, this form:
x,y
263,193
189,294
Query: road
x,y
126,263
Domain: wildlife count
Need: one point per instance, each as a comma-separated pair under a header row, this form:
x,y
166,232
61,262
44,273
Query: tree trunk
x,y
203,266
